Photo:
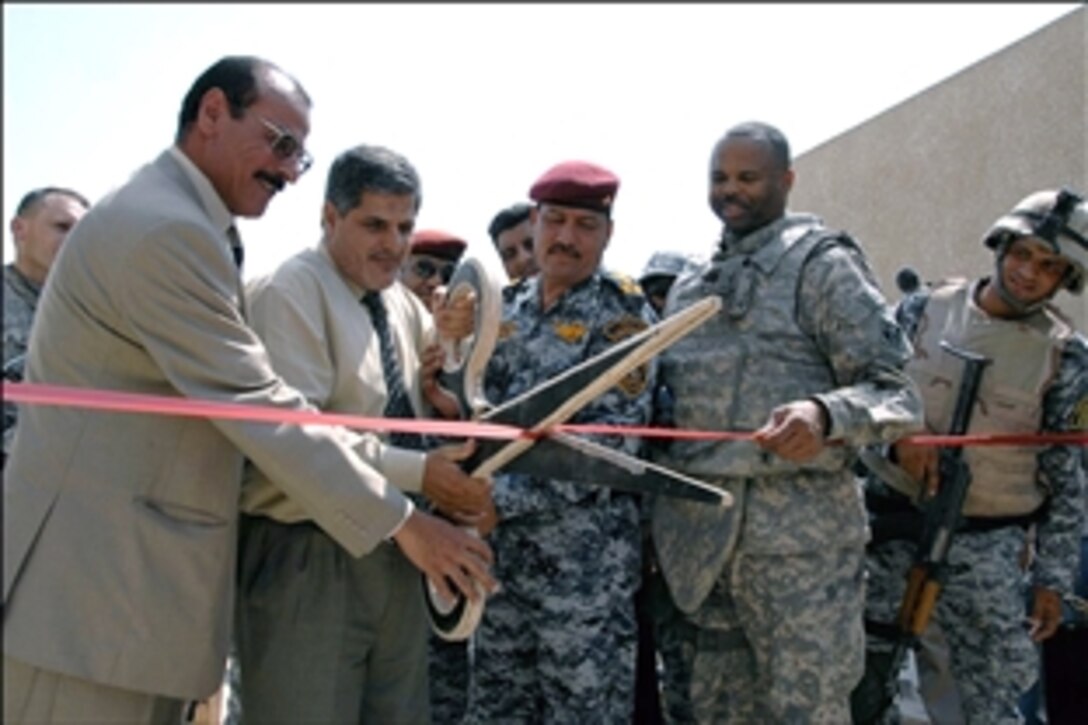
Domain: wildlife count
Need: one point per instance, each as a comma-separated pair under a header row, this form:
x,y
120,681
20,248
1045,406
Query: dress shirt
x,y
322,342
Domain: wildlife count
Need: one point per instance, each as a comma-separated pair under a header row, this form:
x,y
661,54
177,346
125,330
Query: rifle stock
x,y
926,576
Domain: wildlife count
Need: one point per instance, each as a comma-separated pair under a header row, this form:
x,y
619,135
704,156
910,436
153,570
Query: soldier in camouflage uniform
x,y
1036,381
658,276
663,629
42,221
804,351
557,643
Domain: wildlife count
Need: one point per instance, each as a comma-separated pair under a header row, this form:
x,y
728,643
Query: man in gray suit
x,y
120,529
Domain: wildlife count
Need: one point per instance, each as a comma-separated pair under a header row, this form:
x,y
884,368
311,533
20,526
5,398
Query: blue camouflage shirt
x,y
535,345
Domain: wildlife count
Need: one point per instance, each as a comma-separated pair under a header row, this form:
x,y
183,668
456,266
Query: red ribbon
x,y
40,394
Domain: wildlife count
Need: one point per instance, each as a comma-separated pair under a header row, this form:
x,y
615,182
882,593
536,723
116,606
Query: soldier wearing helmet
x,y
663,630
1036,381
659,274
1056,223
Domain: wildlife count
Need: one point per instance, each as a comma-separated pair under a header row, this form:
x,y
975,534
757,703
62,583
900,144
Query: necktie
x,y
397,404
236,245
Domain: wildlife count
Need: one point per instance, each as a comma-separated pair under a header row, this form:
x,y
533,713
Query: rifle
x,y
942,516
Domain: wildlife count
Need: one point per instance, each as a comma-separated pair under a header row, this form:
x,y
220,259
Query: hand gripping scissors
x,y
543,452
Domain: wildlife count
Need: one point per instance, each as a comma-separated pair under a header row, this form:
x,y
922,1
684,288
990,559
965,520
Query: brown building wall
x,y
919,184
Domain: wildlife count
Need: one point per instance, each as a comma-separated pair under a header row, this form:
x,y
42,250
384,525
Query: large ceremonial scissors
x,y
545,453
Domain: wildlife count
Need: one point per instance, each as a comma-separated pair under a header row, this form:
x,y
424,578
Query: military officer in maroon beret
x,y
557,643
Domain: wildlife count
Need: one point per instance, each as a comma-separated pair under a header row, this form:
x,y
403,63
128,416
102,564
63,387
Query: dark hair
x,y
765,133
508,218
370,168
238,76
33,198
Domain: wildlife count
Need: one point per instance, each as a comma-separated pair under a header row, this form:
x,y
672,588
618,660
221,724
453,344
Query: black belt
x,y
894,517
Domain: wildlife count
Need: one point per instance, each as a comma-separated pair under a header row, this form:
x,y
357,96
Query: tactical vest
x,y
750,358
1025,355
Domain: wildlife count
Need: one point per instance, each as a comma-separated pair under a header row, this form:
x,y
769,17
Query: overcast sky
x,y
483,98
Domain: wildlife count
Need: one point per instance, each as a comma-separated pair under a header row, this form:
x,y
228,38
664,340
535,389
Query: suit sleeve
x,y
181,299
293,322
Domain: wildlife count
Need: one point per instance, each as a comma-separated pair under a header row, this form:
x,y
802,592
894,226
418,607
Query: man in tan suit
x,y
120,530
321,636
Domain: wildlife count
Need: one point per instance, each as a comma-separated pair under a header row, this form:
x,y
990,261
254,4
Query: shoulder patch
x,y
623,327
625,283
629,286
633,383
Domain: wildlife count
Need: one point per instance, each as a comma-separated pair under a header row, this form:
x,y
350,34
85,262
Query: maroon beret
x,y
578,184
438,243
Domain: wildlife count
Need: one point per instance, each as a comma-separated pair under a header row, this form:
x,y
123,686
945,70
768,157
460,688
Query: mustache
x,y
277,181
560,248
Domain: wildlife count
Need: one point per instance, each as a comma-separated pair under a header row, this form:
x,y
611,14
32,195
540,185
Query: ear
x,y
787,179
328,217
608,234
214,108
18,229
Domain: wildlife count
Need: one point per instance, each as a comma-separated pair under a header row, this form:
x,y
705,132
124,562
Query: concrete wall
x,y
920,184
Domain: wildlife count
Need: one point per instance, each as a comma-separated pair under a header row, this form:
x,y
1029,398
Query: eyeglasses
x,y
425,269
286,146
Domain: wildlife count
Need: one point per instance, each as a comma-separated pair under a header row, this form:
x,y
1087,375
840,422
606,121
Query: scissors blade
x,y
558,399
566,457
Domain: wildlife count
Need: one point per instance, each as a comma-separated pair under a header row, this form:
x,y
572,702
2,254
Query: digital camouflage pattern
x,y
20,301
981,609
780,640
557,642
448,670
802,318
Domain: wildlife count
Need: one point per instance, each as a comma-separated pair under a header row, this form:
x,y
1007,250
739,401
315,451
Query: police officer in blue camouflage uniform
x,y
804,351
1037,380
556,643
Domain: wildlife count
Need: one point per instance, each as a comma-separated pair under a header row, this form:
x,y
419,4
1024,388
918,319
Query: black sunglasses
x,y
425,269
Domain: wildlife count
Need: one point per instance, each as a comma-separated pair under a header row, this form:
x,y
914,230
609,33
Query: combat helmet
x,y
1059,218
665,264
